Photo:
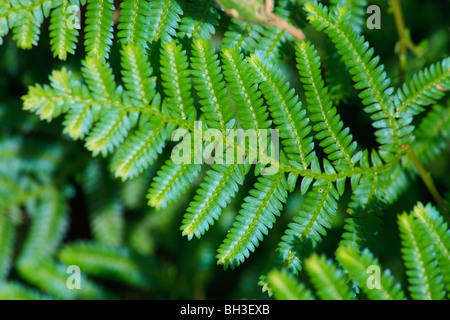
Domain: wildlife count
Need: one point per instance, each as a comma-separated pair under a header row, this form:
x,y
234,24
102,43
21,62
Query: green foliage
x,y
284,287
176,64
420,246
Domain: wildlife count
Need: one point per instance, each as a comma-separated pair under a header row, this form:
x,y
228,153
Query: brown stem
x,y
426,178
283,24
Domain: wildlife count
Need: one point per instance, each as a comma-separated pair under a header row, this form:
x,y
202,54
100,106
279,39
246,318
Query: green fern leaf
x,y
285,287
210,86
27,24
109,131
164,17
357,264
337,142
51,278
99,78
63,36
17,291
137,75
436,230
286,111
422,268
251,110
99,27
171,180
199,20
425,88
308,226
368,76
140,149
357,10
176,81
432,134
242,35
255,218
110,262
215,192
49,223
328,280
134,22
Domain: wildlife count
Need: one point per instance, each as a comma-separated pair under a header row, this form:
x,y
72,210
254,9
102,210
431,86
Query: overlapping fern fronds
x,y
35,197
425,244
132,117
131,122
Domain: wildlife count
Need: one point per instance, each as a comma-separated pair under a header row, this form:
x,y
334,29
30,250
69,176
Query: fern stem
x,y
428,180
400,25
58,98
404,41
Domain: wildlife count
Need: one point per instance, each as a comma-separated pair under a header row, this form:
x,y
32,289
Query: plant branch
x,y
427,179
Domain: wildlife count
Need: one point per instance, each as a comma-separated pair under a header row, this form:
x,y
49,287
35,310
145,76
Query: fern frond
x,y
51,277
210,86
49,223
199,19
104,107
369,77
16,291
256,217
422,268
357,263
79,119
140,149
436,230
109,132
176,81
357,11
99,78
425,88
99,27
137,74
63,36
105,261
432,134
218,187
113,123
47,101
25,19
285,287
164,17
134,22
286,111
242,35
328,280
170,181
337,142
270,42
308,225
251,109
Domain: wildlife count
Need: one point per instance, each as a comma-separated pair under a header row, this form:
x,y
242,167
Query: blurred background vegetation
x,y
36,157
